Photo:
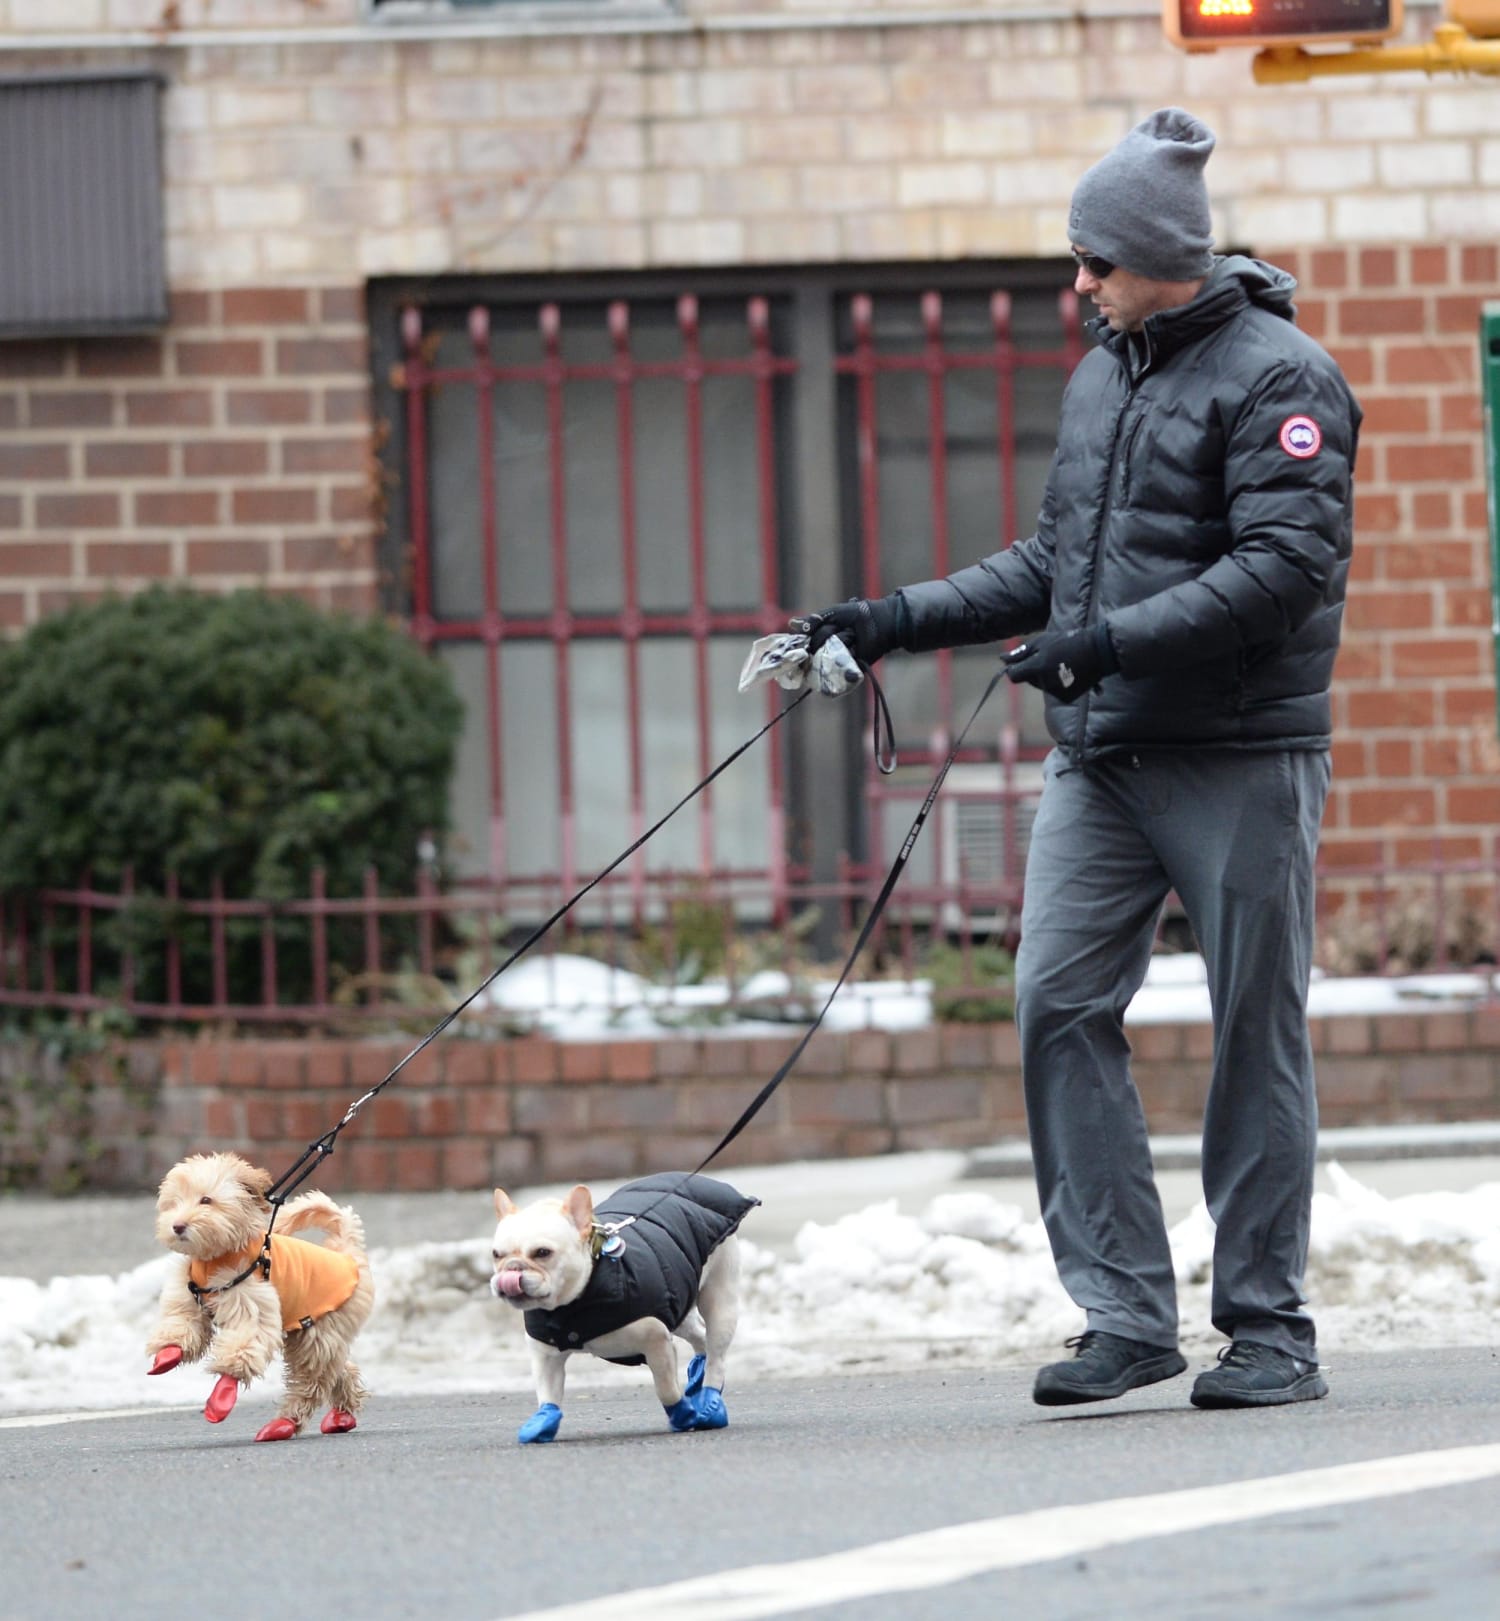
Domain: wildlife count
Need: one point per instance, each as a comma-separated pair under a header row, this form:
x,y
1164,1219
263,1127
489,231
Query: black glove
x,y
1064,663
868,628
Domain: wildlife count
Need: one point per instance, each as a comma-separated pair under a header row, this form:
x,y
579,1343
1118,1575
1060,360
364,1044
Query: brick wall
x,y
233,449
470,1114
1417,766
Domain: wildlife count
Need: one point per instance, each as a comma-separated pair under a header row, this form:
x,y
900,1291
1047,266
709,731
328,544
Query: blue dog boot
x,y
543,1424
682,1415
695,1376
710,1411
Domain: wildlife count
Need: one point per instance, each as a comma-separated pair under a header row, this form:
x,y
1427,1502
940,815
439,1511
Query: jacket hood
x,y
1234,282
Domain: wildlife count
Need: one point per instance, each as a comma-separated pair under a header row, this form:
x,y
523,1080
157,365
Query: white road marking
x,y
36,1421
957,1552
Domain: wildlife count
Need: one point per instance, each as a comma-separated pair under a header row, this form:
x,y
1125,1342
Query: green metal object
x,y
1489,370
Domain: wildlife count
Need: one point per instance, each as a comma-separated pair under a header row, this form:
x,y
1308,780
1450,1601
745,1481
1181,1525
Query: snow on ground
x,y
969,1282
579,998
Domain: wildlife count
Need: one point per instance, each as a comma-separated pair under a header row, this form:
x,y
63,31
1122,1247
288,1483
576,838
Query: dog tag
x,y
613,1247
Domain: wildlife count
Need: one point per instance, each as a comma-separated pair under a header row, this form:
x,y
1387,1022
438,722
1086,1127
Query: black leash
x,y
873,916
319,1149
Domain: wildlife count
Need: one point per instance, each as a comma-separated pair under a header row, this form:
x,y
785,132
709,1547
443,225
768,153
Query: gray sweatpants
x,y
1234,833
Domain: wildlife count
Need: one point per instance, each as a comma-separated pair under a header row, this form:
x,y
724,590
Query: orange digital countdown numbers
x,y
1204,25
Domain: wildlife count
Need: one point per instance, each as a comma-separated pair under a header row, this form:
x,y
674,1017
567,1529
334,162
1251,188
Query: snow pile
x,y
968,1281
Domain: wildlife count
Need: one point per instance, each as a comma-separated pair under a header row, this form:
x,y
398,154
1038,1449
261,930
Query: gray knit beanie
x,y
1144,206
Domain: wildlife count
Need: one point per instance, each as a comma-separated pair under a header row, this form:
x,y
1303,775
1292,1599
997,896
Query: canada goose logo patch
x,y
1301,437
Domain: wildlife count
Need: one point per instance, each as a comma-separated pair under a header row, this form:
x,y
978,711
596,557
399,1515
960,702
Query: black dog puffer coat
x,y
1200,502
680,1221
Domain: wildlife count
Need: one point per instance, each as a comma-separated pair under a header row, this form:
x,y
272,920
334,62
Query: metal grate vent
x,y
80,204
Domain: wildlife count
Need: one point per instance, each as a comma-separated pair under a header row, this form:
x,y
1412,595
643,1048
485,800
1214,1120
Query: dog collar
x,y
261,1260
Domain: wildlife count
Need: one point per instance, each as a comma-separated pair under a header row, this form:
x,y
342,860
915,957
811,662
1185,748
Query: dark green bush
x,y
248,738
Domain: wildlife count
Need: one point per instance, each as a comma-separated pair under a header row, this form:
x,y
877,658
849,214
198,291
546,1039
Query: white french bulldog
x,y
658,1258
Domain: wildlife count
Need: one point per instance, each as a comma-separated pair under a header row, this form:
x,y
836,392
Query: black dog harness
x,y
662,1231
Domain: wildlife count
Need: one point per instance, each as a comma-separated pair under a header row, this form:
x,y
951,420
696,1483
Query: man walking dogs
x,y
1185,588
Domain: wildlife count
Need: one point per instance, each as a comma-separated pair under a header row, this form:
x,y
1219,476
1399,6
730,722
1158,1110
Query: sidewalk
x,y
42,1237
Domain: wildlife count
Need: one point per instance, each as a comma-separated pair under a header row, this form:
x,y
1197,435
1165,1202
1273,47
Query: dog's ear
x,y
257,1181
504,1204
578,1207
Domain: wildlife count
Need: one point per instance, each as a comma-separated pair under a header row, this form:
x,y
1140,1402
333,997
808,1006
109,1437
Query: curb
x,y
1459,1140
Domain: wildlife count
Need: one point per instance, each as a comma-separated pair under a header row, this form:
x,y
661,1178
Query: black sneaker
x,y
1104,1365
1250,1374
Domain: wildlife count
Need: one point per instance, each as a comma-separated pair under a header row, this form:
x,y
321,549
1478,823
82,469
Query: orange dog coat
x,y
310,1280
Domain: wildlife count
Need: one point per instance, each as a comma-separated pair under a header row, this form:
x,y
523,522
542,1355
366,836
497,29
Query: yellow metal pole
x,y
1450,50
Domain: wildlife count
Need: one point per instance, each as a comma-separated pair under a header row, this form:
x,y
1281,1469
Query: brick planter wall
x,y
472,1114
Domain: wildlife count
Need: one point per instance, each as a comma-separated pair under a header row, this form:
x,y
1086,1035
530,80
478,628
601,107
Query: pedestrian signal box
x,y
1206,25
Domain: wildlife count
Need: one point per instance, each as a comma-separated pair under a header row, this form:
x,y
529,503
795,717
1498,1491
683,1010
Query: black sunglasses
x,y
1098,268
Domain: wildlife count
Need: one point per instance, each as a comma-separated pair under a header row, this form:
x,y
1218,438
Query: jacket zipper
x,y
1132,381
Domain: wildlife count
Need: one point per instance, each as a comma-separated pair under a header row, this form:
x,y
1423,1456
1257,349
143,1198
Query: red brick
x,y
275,504
1356,362
347,407
141,559
370,1062
1393,757
219,357
21,460
1460,413
350,503
1466,1078
190,308
324,456
228,556
583,1060
1382,315
265,306
1397,1032
1460,313
436,1114
282,1064
678,1056
386,1116
1429,461
1432,510
1431,560
10,410
966,1046
1395,413
307,356
1155,1043
1391,807
486,1113
108,458
169,408
1474,804
1446,1032
630,1060
1329,268
468,1165
224,1120
916,1052
1391,610
1481,263
120,357
726,1057
1468,706
1429,266
1425,660
176,509
468,1063
590,1156
224,458
367,1165
1375,512
417,1168
532,1059
1355,1083
94,510
23,559
1377,267
258,407
1431,363
44,357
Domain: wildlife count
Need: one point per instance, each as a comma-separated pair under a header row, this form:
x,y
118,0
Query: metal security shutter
x,y
80,204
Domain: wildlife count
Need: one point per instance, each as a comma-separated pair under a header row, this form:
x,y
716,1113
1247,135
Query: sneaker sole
x,y
1310,1387
1167,1366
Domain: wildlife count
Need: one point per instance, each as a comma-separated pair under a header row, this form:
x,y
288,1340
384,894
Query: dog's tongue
x,y
510,1284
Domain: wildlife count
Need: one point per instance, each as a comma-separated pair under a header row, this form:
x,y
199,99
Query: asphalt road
x,y
430,1510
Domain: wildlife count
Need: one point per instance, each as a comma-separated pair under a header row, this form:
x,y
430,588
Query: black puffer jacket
x,y
679,1221
1200,502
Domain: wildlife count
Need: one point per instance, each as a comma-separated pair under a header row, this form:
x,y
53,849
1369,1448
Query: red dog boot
x,y
279,1429
220,1403
166,1359
336,1421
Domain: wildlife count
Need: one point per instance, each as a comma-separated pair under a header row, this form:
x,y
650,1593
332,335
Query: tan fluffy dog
x,y
212,1211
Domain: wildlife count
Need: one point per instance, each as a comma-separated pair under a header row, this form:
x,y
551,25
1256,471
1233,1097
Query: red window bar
x,y
864,365
418,378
